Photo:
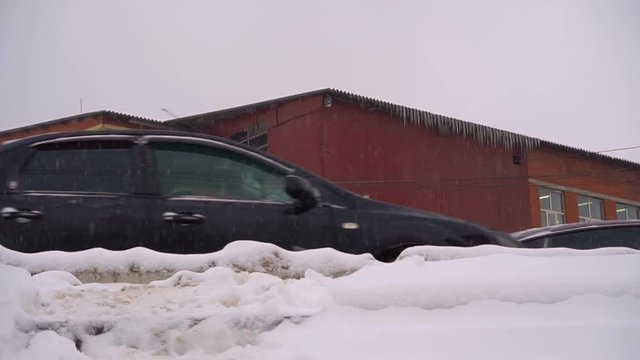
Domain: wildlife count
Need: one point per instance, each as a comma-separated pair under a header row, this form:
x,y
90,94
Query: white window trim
x,y
583,192
258,129
553,212
590,218
555,215
627,207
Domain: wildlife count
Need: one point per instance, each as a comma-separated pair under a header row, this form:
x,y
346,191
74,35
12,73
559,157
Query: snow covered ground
x,y
256,301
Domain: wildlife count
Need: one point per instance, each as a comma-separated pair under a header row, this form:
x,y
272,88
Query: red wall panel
x,y
372,153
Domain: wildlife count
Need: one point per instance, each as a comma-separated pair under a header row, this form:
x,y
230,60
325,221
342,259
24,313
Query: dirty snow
x,y
261,302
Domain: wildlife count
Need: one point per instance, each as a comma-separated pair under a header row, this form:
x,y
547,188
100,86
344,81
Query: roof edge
x,y
447,125
228,112
82,116
589,153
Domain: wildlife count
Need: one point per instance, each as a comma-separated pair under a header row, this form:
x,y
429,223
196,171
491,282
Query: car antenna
x,y
170,113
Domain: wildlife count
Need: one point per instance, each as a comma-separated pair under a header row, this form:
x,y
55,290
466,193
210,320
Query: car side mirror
x,y
302,191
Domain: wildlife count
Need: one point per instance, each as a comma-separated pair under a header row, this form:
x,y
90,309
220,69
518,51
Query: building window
x,y
551,207
590,209
627,212
256,136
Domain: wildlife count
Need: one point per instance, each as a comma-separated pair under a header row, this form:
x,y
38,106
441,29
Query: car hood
x,y
462,227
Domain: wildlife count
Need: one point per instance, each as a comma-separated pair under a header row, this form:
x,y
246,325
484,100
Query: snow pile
x,y
437,253
445,284
22,336
141,265
501,305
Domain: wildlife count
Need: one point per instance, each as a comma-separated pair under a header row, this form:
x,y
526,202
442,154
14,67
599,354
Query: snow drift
x,y
481,303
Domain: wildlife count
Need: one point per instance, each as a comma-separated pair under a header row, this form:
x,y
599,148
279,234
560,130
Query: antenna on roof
x,y
170,113
80,105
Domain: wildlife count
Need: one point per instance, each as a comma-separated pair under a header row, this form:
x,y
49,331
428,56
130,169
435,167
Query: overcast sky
x,y
564,71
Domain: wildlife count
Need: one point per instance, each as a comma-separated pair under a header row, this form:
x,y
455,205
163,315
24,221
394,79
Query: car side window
x,y
81,166
593,239
198,170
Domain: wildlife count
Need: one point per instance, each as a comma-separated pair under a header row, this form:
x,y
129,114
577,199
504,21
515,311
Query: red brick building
x,y
412,157
587,185
433,162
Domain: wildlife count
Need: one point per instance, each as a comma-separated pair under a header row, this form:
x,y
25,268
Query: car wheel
x,y
391,254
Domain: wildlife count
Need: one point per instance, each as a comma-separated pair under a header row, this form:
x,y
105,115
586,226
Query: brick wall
x,y
582,174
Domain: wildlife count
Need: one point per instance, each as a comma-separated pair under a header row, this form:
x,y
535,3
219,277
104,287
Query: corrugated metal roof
x,y
588,153
120,116
230,113
444,124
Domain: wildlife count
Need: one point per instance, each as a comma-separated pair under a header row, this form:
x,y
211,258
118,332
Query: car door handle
x,y
183,218
13,213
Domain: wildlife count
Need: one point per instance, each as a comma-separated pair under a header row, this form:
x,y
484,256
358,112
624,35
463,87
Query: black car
x,y
584,235
188,193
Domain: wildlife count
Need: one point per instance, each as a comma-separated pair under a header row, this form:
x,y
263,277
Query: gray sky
x,y
565,71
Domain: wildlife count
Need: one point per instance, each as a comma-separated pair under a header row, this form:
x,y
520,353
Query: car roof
x,y
573,227
107,133
132,132
27,141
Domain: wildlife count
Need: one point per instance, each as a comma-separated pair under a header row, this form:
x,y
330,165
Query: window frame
x,y
556,214
128,143
262,161
248,135
626,208
590,200
331,194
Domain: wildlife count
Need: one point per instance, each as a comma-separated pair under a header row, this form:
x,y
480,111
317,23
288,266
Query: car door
x,y
72,194
211,193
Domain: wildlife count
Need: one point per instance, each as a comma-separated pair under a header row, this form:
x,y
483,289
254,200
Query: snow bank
x,y
141,265
438,253
582,305
503,277
19,292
